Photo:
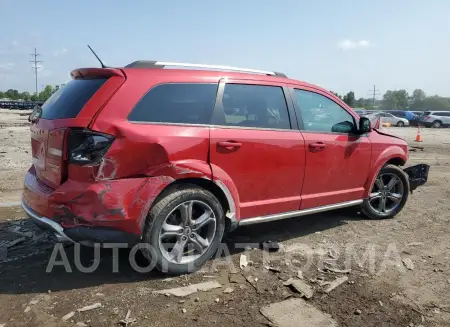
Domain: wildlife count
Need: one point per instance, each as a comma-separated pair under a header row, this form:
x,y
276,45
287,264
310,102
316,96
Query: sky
x,y
345,45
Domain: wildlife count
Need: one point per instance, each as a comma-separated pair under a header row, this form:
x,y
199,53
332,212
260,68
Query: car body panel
x,y
272,172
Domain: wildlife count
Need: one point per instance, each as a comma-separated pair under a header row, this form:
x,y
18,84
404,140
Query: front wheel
x,y
184,230
388,195
400,124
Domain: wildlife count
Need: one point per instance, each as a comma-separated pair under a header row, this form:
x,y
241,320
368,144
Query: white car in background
x,y
389,118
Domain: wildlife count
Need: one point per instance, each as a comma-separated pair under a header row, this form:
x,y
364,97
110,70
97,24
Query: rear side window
x,y
68,101
177,104
257,106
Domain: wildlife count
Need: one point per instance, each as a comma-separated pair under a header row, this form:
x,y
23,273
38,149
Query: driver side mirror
x,y
364,125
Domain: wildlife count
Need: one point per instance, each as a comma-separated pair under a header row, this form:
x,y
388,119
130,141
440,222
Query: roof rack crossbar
x,y
162,64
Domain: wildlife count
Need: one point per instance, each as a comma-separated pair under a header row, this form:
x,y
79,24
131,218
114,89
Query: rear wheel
x,y
184,230
400,124
388,195
437,124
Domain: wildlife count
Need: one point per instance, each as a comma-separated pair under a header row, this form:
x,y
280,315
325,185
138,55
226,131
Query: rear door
x,y
444,116
73,105
255,142
337,161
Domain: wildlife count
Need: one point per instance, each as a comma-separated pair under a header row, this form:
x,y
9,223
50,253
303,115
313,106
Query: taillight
x,y
87,147
427,117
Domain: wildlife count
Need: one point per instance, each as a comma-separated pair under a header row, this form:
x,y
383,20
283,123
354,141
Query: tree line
x,y
27,96
399,100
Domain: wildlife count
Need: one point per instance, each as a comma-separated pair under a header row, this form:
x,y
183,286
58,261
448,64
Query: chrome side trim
x,y
50,224
291,214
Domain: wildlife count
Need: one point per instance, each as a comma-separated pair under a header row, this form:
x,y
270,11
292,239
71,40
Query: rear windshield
x,y
68,101
426,113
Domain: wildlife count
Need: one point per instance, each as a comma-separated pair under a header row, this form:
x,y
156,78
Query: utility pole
x,y
374,93
35,63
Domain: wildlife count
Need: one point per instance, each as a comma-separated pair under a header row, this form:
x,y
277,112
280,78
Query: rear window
x,y
426,113
68,101
177,104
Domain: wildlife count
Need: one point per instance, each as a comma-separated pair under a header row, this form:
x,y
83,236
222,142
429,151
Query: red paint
x,y
265,171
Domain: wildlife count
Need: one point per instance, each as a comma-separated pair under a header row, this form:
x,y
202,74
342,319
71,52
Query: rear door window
x,y
68,101
256,106
177,104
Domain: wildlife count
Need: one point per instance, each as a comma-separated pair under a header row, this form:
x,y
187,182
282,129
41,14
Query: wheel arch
x,y
217,188
392,156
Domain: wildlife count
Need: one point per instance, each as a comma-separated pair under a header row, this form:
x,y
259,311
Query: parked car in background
x,y
391,119
174,158
435,119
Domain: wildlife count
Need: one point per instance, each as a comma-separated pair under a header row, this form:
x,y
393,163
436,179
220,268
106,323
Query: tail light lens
x,y
427,117
87,147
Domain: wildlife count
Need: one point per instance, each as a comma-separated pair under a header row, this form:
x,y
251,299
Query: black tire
x,y
400,124
437,124
157,216
367,209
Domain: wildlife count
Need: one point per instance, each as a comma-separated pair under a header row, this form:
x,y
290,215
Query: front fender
x,y
393,152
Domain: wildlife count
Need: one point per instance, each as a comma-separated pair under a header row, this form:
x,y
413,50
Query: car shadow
x,y
25,253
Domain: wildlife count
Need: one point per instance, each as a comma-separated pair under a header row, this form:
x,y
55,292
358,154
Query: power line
x,y
35,63
374,93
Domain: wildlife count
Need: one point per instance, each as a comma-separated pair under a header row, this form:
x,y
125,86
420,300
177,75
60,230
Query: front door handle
x,y
229,145
317,146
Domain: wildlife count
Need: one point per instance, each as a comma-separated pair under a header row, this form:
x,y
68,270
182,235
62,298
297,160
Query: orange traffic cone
x,y
418,137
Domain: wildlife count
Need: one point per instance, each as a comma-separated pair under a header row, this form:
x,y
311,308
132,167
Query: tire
x,y
402,187
437,124
400,124
163,210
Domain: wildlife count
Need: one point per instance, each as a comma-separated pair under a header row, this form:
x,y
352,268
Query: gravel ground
x,y
406,284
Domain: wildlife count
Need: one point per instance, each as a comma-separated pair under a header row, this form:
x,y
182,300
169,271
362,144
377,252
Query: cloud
x,y
351,45
15,43
7,66
60,52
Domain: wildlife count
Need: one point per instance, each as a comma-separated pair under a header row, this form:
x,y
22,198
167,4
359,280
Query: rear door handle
x,y
317,146
229,144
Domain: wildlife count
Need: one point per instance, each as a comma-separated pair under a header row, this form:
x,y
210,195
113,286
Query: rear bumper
x,y
418,175
81,234
46,224
111,211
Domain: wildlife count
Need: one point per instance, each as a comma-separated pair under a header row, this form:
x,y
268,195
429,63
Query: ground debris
x,y
338,271
301,287
228,290
68,316
243,261
81,324
338,281
127,321
90,307
358,312
270,268
300,274
296,312
190,289
408,263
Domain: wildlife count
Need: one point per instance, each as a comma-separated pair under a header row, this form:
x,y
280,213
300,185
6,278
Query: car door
x,y
255,143
337,160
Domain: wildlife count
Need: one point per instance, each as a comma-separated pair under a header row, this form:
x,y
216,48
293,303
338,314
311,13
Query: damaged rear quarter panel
x,y
142,161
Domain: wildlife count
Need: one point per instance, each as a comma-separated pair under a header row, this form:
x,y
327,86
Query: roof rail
x,y
162,64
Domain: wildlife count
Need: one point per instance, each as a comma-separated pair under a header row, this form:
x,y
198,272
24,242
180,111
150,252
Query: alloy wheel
x,y
387,193
187,232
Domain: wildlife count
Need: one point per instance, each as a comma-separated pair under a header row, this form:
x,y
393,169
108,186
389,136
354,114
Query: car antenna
x,y
101,62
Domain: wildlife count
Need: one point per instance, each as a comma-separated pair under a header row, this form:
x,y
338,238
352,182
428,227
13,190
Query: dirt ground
x,y
400,268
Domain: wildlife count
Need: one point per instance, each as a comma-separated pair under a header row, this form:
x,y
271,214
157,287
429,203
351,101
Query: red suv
x,y
176,157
